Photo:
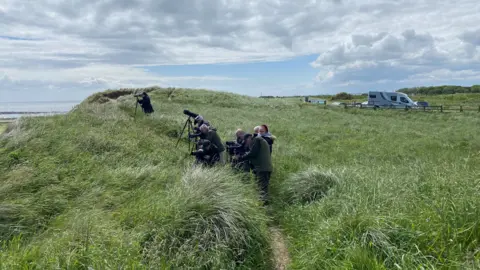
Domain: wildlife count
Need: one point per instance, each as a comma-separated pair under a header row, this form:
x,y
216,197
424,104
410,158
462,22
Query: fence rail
x,y
441,108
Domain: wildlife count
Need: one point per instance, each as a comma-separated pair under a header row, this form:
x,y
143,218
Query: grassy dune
x,y
351,189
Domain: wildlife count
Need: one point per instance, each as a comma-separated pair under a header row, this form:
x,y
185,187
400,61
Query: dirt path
x,y
280,252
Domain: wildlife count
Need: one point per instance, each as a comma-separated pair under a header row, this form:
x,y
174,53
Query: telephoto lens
x,y
189,113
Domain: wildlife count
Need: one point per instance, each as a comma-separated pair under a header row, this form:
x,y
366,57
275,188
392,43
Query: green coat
x,y
259,155
213,137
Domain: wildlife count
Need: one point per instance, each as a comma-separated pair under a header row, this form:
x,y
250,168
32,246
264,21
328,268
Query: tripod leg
x,y
179,138
136,105
189,129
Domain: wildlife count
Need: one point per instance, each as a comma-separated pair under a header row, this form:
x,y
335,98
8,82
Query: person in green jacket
x,y
260,158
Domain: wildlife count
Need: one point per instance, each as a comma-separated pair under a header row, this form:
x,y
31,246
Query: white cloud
x,y
323,77
446,75
105,43
101,73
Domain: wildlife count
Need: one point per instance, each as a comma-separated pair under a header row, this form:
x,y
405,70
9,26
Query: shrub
x,y
342,96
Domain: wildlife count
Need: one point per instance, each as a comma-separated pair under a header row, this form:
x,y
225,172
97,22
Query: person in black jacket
x,y
211,135
145,103
206,153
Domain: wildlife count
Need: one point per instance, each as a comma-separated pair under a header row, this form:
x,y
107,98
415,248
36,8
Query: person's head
x,y
239,134
256,129
204,129
263,129
198,119
247,138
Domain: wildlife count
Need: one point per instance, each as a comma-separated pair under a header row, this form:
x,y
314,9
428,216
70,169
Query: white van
x,y
386,99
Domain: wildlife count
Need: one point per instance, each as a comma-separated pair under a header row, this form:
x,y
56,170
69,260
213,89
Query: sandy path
x,y
280,252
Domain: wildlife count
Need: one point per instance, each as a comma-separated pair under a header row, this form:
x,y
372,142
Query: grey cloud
x,y
414,41
472,37
367,40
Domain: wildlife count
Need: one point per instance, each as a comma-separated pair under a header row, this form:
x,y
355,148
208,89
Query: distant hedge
x,y
342,96
443,89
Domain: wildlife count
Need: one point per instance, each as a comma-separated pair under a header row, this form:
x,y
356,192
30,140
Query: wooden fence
x,y
441,108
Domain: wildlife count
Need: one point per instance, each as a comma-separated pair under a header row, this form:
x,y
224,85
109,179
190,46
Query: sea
x,y
12,110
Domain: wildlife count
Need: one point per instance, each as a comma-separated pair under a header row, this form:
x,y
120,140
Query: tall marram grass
x,y
207,220
210,220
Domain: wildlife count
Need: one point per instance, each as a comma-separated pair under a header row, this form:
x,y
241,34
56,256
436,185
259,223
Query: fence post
x,y
441,108
424,108
461,108
360,105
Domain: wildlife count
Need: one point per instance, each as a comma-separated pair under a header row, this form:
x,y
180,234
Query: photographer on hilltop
x,y
211,135
261,160
145,103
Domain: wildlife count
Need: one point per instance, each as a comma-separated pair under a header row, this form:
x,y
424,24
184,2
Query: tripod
x,y
136,105
188,123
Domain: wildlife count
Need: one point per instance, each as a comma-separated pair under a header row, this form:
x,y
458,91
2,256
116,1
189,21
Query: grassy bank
x,y
351,189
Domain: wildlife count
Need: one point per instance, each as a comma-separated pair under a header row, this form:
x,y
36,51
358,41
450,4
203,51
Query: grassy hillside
x,y
351,189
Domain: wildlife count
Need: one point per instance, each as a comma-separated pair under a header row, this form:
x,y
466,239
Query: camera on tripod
x,y
233,147
189,113
193,132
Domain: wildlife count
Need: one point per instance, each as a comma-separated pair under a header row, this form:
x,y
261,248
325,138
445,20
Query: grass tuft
x,y
211,221
307,186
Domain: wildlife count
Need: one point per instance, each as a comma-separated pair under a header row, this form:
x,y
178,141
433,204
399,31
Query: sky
x,y
66,50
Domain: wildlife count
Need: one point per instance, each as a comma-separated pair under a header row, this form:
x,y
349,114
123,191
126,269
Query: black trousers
x,y
263,179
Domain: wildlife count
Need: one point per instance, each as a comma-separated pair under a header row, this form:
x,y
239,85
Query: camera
x,y
234,148
199,152
203,146
206,153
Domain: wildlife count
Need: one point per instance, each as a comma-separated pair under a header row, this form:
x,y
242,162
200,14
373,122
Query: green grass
x,y
3,127
352,189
